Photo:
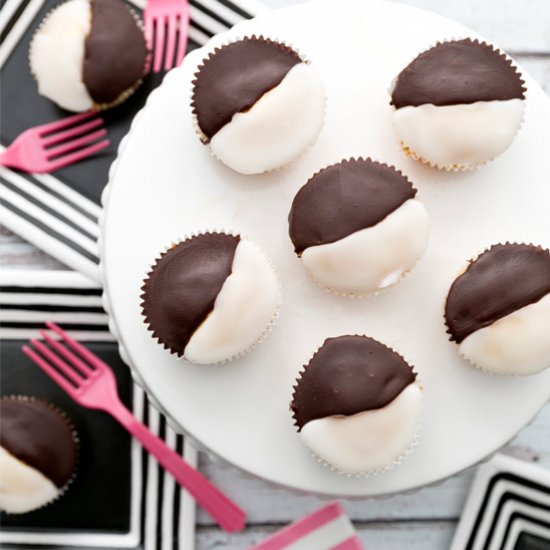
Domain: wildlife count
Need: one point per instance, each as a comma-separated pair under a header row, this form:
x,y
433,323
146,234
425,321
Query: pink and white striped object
x,y
326,529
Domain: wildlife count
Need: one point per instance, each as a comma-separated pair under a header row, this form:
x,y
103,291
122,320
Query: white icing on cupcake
x,y
243,310
369,440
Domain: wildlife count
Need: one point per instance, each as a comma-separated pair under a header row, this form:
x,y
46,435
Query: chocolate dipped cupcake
x,y
458,105
357,405
88,54
498,310
258,104
211,297
38,454
358,227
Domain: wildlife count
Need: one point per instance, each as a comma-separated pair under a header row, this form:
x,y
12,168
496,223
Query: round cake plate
x,y
165,185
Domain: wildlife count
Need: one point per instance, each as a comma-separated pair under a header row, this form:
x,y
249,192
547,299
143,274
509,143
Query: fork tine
x,y
182,39
65,122
71,158
93,359
48,369
67,370
170,43
149,29
56,138
159,43
85,370
75,144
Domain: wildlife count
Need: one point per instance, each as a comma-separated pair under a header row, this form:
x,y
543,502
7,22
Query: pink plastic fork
x,y
52,146
168,22
91,383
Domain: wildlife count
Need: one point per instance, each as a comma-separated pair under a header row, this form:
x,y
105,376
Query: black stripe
x,y
530,541
520,515
144,458
210,13
46,208
490,487
51,290
50,307
20,9
46,229
237,9
66,326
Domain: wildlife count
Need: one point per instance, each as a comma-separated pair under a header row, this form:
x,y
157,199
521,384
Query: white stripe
x,y
81,335
45,278
10,7
169,490
59,187
24,316
41,214
74,300
251,6
18,29
49,244
138,406
326,537
206,21
188,507
150,542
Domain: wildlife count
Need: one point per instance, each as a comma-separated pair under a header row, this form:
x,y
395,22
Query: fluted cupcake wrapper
x,y
258,340
457,167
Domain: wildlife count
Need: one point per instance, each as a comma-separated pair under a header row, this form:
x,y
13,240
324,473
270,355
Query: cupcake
x,y
498,310
211,297
258,104
88,54
357,405
38,453
458,105
358,227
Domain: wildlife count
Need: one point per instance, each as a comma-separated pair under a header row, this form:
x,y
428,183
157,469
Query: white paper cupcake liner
x,y
76,440
206,141
457,167
376,471
260,338
448,330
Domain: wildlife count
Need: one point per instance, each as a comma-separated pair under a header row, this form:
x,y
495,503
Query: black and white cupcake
x,y
458,105
38,454
357,405
498,310
258,104
211,297
358,227
88,54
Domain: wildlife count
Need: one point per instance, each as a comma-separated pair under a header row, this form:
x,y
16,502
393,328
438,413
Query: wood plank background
x,y
426,519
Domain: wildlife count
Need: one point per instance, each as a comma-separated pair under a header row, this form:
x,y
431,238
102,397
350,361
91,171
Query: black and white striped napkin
x,y
161,516
59,213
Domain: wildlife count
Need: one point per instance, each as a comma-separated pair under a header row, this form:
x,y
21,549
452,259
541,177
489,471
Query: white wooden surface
x,y
424,520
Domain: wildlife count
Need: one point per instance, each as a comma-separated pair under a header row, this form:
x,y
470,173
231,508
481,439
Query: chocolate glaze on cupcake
x,y
211,297
357,404
358,227
498,310
258,104
38,454
458,104
88,54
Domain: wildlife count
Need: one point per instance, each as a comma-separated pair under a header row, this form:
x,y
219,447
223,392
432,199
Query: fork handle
x,y
226,513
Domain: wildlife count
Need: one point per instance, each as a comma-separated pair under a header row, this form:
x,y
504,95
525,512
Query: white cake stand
x,y
165,185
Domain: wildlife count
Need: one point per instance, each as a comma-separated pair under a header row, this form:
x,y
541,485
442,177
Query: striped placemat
x,y
163,516
59,213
